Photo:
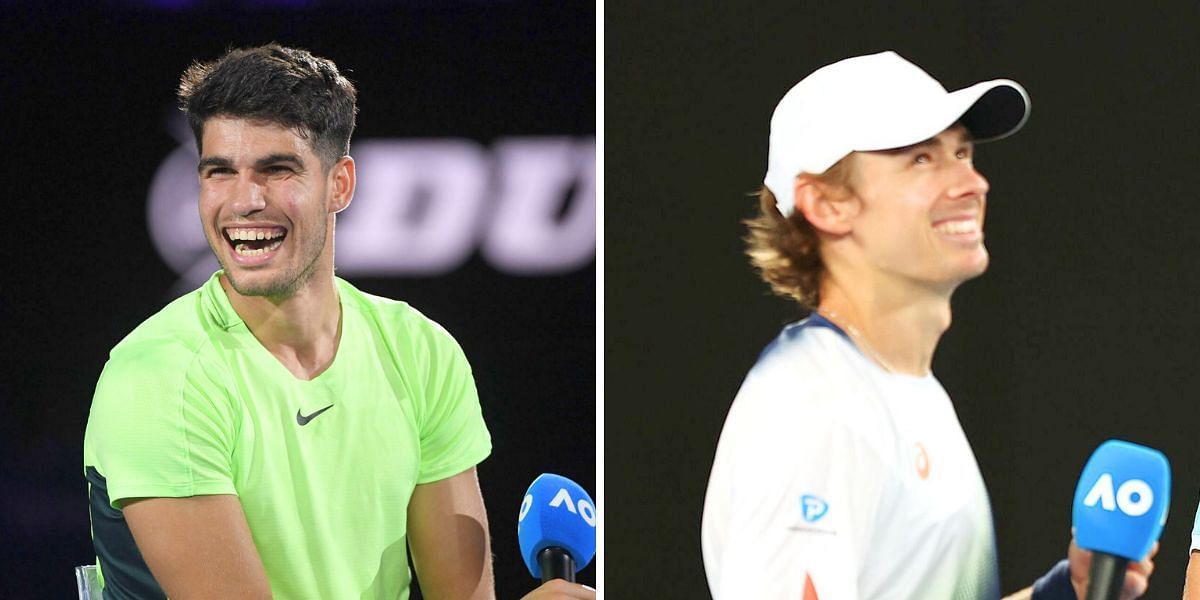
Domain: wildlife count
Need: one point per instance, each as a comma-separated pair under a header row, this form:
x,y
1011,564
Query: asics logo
x,y
922,461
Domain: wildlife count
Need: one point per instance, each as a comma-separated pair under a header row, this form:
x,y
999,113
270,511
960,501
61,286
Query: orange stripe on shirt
x,y
810,591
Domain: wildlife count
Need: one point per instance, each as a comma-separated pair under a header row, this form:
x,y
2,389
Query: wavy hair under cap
x,y
785,251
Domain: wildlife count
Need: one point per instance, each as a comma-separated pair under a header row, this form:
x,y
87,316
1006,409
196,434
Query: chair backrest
x,y
88,580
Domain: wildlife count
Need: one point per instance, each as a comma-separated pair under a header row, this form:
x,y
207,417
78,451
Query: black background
x,y
1083,329
85,95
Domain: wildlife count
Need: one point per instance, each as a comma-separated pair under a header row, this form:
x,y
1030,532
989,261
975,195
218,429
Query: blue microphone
x,y
1119,511
556,528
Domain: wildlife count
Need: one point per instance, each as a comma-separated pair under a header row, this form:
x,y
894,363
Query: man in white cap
x,y
842,470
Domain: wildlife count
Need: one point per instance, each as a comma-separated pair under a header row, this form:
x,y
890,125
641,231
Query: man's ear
x,y
342,180
827,208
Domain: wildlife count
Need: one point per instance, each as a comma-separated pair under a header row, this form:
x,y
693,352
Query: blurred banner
x,y
422,208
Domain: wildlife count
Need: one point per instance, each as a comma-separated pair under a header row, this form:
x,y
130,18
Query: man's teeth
x,y
952,227
246,250
253,234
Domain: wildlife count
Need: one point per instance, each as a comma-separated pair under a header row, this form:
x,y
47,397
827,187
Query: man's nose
x,y
968,181
250,196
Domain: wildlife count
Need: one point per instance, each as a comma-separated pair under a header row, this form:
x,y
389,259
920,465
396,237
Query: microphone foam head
x,y
556,512
1122,499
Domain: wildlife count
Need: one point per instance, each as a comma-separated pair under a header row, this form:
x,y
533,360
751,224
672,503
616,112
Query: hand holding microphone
x,y
556,529
1137,575
558,589
1119,511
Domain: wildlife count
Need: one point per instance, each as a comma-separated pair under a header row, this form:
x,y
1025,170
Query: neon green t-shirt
x,y
190,403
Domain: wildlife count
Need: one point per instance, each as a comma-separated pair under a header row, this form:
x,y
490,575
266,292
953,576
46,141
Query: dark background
x,y
85,95
1083,329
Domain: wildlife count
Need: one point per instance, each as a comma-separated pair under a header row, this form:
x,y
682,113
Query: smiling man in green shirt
x,y
278,432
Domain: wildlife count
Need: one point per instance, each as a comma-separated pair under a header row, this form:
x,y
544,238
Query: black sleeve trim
x,y
126,576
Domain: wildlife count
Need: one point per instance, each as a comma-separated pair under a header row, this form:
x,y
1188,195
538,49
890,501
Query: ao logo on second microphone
x,y
1133,497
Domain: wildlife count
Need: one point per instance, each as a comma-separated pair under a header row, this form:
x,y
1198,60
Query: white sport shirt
x,y
834,479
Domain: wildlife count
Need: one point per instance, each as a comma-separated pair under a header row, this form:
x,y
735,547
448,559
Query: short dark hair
x,y
274,84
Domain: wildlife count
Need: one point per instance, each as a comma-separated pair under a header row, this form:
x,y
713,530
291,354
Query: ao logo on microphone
x,y
1133,497
1121,501
562,500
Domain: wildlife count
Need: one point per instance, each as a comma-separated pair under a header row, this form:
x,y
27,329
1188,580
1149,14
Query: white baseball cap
x,y
877,102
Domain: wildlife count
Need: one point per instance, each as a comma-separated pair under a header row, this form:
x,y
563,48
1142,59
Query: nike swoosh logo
x,y
304,419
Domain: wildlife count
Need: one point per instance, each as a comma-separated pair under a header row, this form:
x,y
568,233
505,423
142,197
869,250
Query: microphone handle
x,y
556,563
1107,576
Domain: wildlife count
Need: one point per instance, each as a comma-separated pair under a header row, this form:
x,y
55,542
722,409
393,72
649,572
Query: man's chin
x,y
960,272
973,269
982,263
258,283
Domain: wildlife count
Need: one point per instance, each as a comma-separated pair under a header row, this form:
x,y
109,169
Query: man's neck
x,y
301,330
900,329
